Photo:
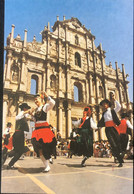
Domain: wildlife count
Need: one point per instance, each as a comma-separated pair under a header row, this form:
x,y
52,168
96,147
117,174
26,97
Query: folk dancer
x,y
7,144
43,139
125,128
18,136
111,122
83,144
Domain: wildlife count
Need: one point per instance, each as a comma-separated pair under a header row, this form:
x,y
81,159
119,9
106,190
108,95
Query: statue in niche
x,y
53,82
15,74
12,107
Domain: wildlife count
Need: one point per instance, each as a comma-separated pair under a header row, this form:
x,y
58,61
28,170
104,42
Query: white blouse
x,y
78,123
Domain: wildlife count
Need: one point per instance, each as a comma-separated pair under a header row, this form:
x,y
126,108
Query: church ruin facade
x,y
69,67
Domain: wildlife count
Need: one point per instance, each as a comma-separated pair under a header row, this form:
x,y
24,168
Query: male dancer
x,y
124,128
111,122
18,136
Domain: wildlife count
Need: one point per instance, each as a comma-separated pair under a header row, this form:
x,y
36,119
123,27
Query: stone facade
x,y
66,60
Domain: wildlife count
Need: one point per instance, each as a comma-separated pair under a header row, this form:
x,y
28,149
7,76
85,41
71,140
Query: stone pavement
x,y
100,176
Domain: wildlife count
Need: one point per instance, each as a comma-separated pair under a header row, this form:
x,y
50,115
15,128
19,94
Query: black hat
x,y
106,101
9,124
37,95
124,114
24,105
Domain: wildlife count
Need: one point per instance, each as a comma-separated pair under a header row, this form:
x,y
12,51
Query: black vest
x,y
86,124
116,120
22,125
40,115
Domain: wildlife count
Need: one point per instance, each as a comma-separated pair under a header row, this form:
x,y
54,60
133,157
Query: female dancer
x,y
83,144
43,139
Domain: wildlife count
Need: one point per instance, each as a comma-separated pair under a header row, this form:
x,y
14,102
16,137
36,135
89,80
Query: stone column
x,y
90,89
68,82
48,45
60,81
48,77
9,57
8,72
69,122
5,101
103,74
60,118
25,38
106,89
94,66
23,74
97,90
66,33
59,50
87,92
12,33
43,81
126,86
118,84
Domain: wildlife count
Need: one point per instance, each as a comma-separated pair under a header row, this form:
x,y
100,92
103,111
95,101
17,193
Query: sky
x,y
110,21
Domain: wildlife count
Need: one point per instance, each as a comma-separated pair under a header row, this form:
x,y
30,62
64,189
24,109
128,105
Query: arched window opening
x,y
53,81
34,85
15,73
77,59
76,40
78,92
111,95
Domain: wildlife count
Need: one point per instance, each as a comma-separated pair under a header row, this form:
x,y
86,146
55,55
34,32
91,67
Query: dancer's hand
x,y
44,94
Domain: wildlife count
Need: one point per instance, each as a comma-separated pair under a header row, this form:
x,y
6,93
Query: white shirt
x,y
78,123
129,124
48,106
108,114
21,115
7,130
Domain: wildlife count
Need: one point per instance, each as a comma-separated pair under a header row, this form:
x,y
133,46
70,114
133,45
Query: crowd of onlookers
x,y
101,149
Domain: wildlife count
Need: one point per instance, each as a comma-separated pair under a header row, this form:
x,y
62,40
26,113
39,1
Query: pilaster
x,y
60,107
5,107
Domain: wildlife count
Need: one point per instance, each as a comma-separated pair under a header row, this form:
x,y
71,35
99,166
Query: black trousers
x,y
124,141
114,140
4,155
18,144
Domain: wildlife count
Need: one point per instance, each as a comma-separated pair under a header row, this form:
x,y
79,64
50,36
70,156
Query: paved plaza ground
x,y
100,176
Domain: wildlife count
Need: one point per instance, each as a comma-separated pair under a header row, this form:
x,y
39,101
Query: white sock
x,y
47,163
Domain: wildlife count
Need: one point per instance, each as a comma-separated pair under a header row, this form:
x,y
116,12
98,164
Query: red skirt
x,y
43,131
9,146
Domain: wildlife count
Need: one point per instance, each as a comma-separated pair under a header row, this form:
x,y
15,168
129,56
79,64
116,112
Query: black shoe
x,y
120,165
115,160
10,167
51,160
83,165
83,161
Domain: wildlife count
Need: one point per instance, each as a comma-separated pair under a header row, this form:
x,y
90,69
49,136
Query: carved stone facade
x,y
65,60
